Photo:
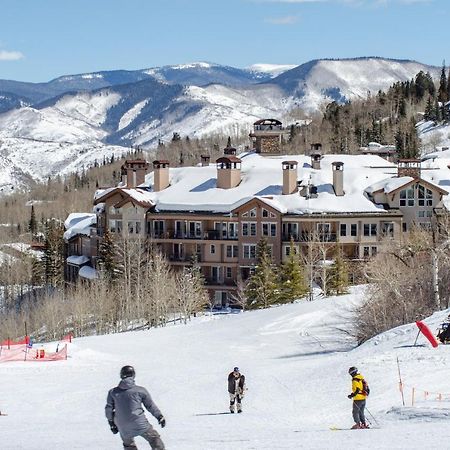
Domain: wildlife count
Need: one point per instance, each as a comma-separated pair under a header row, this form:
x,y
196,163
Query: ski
x,y
3,414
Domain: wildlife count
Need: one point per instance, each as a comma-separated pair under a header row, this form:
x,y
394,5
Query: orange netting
x,y
8,342
24,352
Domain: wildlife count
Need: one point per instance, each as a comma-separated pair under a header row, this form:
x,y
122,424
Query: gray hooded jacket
x,y
124,407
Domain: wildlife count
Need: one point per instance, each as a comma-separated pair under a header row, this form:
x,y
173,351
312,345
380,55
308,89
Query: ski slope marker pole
x,y
401,383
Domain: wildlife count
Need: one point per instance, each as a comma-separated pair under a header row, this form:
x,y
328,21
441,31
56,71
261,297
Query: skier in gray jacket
x,y
126,415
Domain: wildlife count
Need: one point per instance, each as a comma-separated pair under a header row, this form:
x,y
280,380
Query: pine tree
x,y
338,283
107,258
262,289
292,277
32,224
443,88
54,254
429,110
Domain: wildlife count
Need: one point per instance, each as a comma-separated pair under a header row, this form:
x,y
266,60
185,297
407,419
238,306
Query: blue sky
x,y
43,39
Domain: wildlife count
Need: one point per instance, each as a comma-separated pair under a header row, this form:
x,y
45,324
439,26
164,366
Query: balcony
x,y
318,237
186,258
288,236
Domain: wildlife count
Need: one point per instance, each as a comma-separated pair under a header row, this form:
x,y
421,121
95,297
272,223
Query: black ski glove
x,y
162,421
113,427
350,396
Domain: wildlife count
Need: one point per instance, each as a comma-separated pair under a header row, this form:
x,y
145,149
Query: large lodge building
x,y
216,213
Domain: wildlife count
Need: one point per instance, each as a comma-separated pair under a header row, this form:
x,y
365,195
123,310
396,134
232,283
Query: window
x,y
290,230
425,196
265,213
323,228
407,197
429,213
287,250
229,272
158,228
248,228
112,226
269,229
232,230
354,229
195,229
215,273
387,228
213,249
131,224
252,212
366,252
370,229
374,251
232,251
249,251
404,227
421,213
343,229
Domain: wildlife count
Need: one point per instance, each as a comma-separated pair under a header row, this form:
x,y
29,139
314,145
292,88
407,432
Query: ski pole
x,y
371,415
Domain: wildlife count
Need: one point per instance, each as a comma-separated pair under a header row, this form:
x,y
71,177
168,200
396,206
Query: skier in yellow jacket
x,y
359,395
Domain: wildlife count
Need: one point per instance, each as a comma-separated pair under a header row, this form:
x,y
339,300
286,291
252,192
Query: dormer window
x,y
425,196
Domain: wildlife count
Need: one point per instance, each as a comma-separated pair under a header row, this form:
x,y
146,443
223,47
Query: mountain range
x,y
55,127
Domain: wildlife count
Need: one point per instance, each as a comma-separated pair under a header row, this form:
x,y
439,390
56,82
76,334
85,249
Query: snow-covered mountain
x,y
125,108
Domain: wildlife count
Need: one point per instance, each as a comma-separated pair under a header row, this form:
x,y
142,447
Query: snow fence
x,y
23,350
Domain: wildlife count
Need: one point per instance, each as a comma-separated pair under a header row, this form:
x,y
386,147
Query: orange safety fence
x,y
25,353
417,393
10,343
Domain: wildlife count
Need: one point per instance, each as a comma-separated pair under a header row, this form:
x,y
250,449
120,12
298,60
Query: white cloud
x,y
6,55
286,20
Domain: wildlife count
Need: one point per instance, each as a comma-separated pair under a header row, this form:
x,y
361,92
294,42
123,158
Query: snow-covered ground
x,y
295,361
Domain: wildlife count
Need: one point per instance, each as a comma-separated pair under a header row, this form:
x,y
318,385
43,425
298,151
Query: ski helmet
x,y
353,371
236,369
127,371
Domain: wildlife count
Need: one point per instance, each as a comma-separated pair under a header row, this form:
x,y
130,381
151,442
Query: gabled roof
x,y
394,184
137,196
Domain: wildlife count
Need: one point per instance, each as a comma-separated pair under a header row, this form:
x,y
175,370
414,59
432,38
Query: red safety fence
x,y
25,353
10,343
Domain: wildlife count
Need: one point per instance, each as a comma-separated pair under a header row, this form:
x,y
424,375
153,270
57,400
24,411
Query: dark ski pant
x,y
151,436
235,398
358,411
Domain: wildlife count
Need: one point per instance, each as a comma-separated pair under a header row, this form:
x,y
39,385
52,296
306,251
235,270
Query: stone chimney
x,y
160,175
133,172
289,177
408,168
315,160
228,172
338,178
205,160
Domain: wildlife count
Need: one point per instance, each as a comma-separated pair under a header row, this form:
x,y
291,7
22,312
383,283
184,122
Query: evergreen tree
x,y
32,224
443,88
262,289
54,253
107,258
429,110
338,283
292,276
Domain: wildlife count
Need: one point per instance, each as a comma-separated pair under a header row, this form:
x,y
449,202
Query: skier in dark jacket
x,y
236,387
126,415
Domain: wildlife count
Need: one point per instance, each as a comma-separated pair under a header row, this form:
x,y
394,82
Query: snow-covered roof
x,y
195,188
77,260
140,196
88,272
389,184
79,223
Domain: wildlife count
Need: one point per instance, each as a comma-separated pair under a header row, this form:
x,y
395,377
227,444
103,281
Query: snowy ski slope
x,y
295,361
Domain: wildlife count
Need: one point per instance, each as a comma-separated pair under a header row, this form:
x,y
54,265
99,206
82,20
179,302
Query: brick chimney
x,y
338,178
408,168
133,172
205,160
289,177
228,172
160,175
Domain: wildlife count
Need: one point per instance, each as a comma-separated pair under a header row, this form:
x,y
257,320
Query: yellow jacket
x,y
357,387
